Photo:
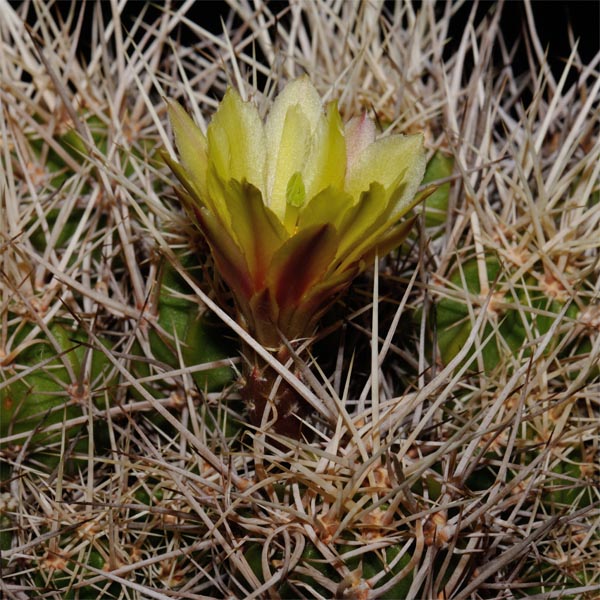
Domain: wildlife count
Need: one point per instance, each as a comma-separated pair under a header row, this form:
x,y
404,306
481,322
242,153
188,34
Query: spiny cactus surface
x,y
451,447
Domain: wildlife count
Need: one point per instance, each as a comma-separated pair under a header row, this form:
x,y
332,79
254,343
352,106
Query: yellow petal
x,y
383,161
192,147
326,164
291,155
328,206
258,231
360,134
236,141
291,124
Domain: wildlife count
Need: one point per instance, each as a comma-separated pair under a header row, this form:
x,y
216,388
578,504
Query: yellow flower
x,y
295,207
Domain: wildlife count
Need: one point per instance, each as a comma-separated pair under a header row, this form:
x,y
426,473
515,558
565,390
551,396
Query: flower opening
x,y
295,207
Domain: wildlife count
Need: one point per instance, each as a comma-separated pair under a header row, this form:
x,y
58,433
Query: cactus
x,y
450,445
293,210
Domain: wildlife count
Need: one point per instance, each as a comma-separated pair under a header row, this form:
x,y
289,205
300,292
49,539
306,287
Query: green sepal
x,y
359,221
181,174
390,241
373,223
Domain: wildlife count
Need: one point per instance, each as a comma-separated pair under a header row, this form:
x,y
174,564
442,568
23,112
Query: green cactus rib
x,y
521,313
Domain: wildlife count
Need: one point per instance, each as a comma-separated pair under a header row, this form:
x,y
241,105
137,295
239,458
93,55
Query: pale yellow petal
x,y
236,141
291,155
301,98
394,160
191,145
360,134
326,163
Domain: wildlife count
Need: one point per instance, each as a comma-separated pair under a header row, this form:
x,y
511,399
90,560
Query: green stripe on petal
x,y
301,262
295,196
289,155
295,193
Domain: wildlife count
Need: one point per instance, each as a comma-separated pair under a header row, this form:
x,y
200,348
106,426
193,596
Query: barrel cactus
x,y
293,210
448,398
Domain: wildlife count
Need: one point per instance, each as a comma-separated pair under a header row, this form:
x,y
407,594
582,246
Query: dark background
x,y
552,18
